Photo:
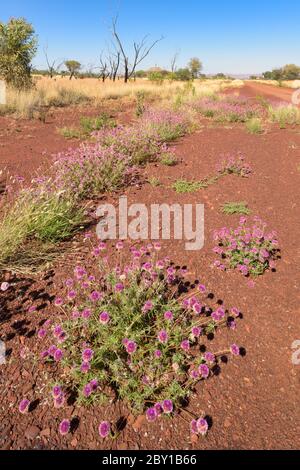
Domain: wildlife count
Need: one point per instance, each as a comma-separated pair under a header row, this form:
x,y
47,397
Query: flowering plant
x,y
249,249
127,332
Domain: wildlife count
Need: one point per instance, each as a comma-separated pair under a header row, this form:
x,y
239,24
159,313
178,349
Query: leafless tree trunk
x,y
174,62
53,68
141,51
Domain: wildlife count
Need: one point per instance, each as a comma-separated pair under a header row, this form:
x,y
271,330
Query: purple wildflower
x,y
104,318
185,345
119,287
151,414
56,391
162,336
24,405
87,355
168,315
104,429
235,350
64,427
58,355
203,371
167,406
202,426
95,296
131,347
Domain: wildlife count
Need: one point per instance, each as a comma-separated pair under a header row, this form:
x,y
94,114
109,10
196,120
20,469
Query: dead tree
x,y
174,62
53,67
114,63
104,70
141,51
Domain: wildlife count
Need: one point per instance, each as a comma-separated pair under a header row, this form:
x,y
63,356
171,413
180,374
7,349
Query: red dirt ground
x,y
254,402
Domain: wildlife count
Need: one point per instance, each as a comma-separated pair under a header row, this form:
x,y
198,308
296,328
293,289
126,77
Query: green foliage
x,y
87,126
140,103
254,126
130,335
168,159
18,45
73,67
288,72
285,115
185,186
195,67
153,181
183,75
43,216
231,208
156,77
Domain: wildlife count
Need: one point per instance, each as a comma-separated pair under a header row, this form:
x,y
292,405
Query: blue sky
x,y
230,36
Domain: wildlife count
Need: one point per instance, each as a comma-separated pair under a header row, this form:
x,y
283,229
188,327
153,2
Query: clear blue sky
x,y
231,36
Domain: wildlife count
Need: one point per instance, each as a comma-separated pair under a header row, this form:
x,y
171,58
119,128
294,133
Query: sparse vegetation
x,y
254,126
231,208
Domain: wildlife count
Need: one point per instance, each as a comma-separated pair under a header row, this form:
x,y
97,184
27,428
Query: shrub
x,y
228,109
254,126
125,330
138,144
168,158
167,124
248,249
284,115
91,170
234,164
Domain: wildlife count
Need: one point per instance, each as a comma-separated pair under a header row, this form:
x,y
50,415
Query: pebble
x,y
32,432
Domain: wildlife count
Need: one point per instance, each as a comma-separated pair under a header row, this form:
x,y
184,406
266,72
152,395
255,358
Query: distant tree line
x,y
288,72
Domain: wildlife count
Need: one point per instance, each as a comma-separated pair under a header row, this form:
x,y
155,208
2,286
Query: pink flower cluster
x,y
250,249
234,164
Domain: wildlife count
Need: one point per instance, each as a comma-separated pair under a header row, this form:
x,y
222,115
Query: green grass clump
x,y
168,159
254,126
185,186
231,208
87,126
285,115
42,218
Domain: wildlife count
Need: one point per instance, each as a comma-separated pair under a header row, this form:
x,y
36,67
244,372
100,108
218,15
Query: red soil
x,y
254,402
270,92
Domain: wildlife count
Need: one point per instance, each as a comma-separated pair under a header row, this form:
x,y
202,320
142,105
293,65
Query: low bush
x,y
234,164
254,126
124,331
91,170
247,248
228,109
285,114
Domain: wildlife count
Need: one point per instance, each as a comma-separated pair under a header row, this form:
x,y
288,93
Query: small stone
x,y
138,422
227,423
123,446
32,432
45,432
73,442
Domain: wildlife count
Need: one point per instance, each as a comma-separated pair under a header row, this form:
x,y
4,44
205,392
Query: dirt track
x,y
271,92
